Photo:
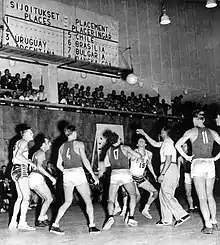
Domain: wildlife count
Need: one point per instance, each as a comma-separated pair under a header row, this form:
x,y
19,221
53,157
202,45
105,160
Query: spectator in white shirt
x,y
41,95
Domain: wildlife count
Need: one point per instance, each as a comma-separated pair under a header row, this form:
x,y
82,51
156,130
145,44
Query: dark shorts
x,y
139,179
19,171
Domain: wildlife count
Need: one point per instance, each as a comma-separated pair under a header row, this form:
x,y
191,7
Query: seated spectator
x,y
33,96
23,96
64,100
66,88
15,95
76,88
41,95
7,95
5,79
14,84
2,193
26,83
165,106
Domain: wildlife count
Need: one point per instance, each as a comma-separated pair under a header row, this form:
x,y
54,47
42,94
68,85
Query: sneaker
x,y
132,222
56,230
2,210
41,223
108,223
146,213
94,230
215,227
161,223
13,225
182,220
117,210
25,226
207,230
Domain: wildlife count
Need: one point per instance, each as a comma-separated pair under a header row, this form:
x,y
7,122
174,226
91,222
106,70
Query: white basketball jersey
x,y
15,160
138,165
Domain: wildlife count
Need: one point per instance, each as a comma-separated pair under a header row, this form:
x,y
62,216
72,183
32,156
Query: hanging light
x,y
164,19
211,4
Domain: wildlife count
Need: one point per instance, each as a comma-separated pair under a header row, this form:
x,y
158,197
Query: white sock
x,y
146,206
208,224
91,225
214,221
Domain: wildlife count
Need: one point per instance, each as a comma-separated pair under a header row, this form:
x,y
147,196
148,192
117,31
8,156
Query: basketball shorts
x,y
203,167
74,177
138,179
36,179
19,171
187,178
121,177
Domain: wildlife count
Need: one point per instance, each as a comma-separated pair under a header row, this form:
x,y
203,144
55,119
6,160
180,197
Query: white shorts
x,y
203,167
74,176
35,179
121,177
187,178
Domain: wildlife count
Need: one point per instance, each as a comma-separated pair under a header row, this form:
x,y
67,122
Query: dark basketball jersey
x,y
202,146
34,159
117,158
70,158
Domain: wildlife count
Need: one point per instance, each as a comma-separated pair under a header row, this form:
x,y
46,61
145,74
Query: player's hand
x,y
160,178
140,131
96,180
53,180
189,158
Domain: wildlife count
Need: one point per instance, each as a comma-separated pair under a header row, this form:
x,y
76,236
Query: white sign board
x,y
61,29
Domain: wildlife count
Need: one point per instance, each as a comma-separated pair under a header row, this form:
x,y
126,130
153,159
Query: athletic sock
x,y
91,225
208,224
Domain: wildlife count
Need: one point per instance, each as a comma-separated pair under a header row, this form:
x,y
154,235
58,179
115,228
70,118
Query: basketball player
x,y
169,177
117,157
72,155
19,175
37,181
187,180
203,167
138,168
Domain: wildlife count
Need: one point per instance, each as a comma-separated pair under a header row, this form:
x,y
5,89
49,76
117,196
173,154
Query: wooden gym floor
x,y
76,231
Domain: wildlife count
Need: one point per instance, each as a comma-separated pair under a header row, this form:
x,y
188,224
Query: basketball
x,y
131,79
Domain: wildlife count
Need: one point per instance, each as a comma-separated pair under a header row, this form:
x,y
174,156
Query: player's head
x,y
70,132
46,144
112,137
27,134
198,118
165,132
217,118
141,142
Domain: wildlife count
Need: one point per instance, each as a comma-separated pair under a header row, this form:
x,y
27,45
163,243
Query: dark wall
x,y
51,123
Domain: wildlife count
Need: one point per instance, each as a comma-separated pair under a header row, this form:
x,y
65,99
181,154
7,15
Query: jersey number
x,y
68,154
142,163
115,153
205,138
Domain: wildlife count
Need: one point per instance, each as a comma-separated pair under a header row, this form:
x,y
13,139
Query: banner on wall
x,y
100,140
61,29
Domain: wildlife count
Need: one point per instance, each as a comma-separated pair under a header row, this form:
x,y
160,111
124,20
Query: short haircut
x,y
111,137
69,129
168,129
199,114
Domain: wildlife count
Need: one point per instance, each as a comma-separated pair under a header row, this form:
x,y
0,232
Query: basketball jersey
x,y
138,166
15,160
202,146
70,158
117,158
34,159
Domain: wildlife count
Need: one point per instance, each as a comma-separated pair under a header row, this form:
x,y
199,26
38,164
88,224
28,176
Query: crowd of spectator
x,y
15,87
86,97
